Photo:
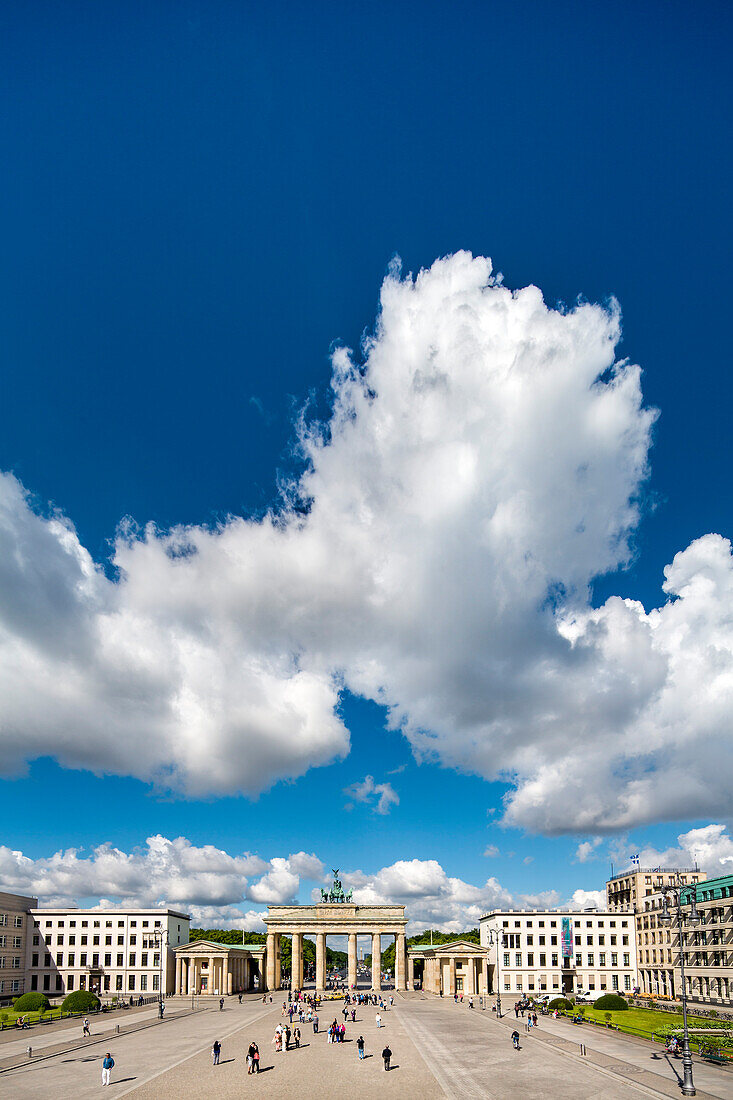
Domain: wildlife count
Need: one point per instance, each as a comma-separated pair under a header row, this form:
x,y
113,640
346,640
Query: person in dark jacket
x,y
386,1055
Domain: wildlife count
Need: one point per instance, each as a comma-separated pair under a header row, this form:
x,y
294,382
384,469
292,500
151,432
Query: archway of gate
x,y
343,919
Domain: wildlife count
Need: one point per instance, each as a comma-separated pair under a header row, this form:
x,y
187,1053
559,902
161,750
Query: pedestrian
x,y
107,1066
470,1002
221,1004
378,1019
161,1009
353,1015
386,1055
515,1040
216,1052
516,1010
287,1037
255,1057
315,1024
240,998
85,1027
534,1018
360,1047
296,1037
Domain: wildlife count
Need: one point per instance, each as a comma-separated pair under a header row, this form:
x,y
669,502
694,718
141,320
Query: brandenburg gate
x,y
335,915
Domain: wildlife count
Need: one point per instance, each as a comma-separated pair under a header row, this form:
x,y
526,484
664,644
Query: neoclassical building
x,y
218,969
335,918
449,968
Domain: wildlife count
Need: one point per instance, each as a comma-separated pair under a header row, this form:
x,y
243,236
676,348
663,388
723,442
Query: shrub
x,y
560,1003
32,1002
81,1000
610,1002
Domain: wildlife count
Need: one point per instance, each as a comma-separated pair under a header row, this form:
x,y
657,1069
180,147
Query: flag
x,y
635,859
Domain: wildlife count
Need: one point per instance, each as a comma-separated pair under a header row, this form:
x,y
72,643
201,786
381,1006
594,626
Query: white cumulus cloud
x,y
482,464
381,796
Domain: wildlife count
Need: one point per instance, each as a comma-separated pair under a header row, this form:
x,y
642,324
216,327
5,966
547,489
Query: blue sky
x,y
201,204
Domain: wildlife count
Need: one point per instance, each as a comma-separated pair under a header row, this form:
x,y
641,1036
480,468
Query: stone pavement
x,y
439,1049
627,1057
65,1033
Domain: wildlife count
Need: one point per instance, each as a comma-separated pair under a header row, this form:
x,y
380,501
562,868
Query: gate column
x,y
351,977
320,960
297,968
270,979
399,961
376,961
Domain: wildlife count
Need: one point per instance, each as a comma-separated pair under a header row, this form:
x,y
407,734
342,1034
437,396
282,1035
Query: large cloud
x,y
481,466
175,872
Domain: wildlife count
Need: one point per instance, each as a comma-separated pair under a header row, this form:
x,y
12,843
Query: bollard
x,y
29,1051
118,1029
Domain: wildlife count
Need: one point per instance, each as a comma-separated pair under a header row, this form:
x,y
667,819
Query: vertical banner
x,y
566,938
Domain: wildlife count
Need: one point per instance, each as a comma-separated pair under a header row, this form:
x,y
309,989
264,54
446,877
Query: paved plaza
x,y
439,1049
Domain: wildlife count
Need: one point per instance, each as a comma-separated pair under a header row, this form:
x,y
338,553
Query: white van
x,y
589,996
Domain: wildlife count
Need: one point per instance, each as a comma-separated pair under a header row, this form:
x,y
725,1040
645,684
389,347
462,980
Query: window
x,y
83,959
95,959
613,941
589,941
614,959
120,941
84,940
144,982
553,941
131,982
60,959
17,941
578,960
47,959
132,960
69,983
577,941
626,960
145,924
72,940
3,920
507,959
34,959
72,924
144,959
46,982
133,937
542,941
108,924
71,961
614,981
96,924
530,959
554,959
625,941
590,959
120,960
95,941
529,941
59,941
85,924
118,982
627,981
543,960
518,959
108,960
133,924
36,941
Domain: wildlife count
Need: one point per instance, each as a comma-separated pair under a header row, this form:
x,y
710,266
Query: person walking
x,y
221,1004
378,1019
296,1037
515,1040
216,1052
240,998
315,1024
107,1067
85,1028
386,1055
286,1036
360,1047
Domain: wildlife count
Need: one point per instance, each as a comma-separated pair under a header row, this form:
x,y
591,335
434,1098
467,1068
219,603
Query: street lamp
x,y
162,935
497,938
674,892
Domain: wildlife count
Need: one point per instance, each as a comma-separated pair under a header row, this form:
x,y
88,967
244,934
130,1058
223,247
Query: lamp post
x,y
674,892
497,938
161,940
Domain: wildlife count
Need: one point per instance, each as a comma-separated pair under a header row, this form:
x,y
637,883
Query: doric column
x,y
411,972
351,977
320,960
271,969
278,961
485,974
179,973
376,961
452,979
210,984
297,954
471,976
189,974
230,978
399,961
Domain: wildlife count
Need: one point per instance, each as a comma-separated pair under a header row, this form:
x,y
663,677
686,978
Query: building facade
x,y
459,967
559,952
709,945
626,892
116,952
14,926
216,969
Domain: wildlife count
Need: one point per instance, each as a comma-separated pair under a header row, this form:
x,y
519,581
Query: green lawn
x,y
8,1016
646,1022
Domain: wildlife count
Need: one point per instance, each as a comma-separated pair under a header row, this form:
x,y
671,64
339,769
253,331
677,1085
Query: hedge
x,y
561,1003
610,1002
32,1002
81,1000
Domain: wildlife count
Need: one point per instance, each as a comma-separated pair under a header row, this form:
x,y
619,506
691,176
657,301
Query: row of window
x,y
17,921
11,941
9,962
83,958
576,924
147,941
517,982
10,985
603,955
98,924
513,939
